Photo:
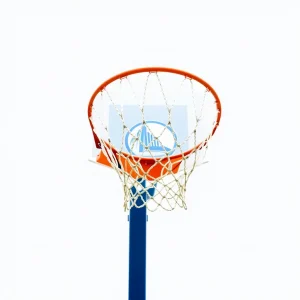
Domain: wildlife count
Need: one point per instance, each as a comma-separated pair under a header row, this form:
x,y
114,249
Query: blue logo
x,y
151,139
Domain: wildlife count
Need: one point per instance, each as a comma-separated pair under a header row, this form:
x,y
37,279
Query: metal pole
x,y
137,247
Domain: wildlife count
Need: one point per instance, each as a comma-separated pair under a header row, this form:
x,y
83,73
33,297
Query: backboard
x,y
157,118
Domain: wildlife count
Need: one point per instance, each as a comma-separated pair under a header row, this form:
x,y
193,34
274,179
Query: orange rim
x,y
147,160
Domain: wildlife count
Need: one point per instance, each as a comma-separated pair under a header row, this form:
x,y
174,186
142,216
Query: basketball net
x,y
150,180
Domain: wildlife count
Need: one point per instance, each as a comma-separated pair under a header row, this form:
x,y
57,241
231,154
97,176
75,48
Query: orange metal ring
x,y
147,162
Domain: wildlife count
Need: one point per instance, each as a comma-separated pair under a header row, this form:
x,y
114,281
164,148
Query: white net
x,y
154,159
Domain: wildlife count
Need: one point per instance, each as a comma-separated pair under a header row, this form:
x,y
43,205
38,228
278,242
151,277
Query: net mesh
x,y
157,181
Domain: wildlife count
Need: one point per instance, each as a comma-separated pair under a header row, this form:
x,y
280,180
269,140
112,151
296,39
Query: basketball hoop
x,y
156,155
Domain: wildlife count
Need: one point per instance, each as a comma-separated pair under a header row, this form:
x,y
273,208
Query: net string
x,y
168,190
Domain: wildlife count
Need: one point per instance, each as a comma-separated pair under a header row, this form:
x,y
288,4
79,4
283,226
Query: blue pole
x,y
137,247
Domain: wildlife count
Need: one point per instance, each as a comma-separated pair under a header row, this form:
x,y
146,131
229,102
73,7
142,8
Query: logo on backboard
x,y
151,139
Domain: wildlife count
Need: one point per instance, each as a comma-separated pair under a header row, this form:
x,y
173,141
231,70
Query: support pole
x,y
137,247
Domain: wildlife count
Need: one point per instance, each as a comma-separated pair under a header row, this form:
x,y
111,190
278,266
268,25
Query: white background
x,y
239,238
